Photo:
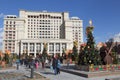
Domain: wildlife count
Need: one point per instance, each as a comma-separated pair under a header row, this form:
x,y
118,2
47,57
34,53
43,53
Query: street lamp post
x,y
32,71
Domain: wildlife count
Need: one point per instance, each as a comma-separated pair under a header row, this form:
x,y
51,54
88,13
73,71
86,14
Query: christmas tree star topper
x,y
90,22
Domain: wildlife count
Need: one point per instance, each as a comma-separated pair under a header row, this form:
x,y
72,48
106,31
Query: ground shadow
x,y
51,73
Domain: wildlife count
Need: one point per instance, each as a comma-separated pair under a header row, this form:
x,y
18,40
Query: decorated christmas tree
x,y
75,51
89,55
7,56
63,53
44,53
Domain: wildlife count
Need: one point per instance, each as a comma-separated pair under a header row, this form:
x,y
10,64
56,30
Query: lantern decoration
x,y
104,68
92,67
7,52
100,68
118,67
96,68
1,55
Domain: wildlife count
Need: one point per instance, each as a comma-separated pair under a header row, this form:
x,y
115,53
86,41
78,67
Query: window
x,y
14,22
51,47
25,46
6,22
57,47
28,16
64,46
31,47
38,47
10,22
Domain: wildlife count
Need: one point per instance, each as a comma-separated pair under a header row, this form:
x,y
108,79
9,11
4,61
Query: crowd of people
x,y
54,62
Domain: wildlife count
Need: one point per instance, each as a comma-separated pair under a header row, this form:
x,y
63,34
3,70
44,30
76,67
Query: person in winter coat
x,y
54,65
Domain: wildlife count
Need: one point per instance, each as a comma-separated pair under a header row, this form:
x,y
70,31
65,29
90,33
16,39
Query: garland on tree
x,y
89,54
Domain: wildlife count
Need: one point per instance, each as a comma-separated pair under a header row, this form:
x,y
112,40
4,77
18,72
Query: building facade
x,y
28,32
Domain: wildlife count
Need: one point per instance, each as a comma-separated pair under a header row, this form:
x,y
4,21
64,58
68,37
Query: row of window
x,y
42,31
10,22
77,32
9,37
11,49
38,47
44,24
55,37
44,16
56,25
34,20
46,31
40,34
38,23
10,32
41,28
74,27
10,28
43,21
10,25
10,45
11,17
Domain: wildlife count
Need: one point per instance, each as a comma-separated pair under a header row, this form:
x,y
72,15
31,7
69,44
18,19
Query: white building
x,y
28,32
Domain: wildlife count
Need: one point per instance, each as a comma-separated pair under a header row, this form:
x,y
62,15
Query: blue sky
x,y
105,14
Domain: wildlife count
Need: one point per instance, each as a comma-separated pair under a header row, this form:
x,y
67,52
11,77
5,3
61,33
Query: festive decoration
x,y
89,55
91,58
7,56
1,56
7,52
44,53
75,51
5,59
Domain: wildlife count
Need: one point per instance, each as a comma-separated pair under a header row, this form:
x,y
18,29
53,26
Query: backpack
x,y
59,64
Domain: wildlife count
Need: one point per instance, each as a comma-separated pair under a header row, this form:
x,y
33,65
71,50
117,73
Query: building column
x,y
61,49
54,48
35,50
67,44
48,48
16,47
20,45
41,47
28,49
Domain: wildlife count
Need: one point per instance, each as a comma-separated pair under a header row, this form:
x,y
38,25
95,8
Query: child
x,y
36,65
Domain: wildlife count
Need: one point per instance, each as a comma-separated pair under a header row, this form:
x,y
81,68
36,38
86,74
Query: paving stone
x,y
49,74
67,76
13,74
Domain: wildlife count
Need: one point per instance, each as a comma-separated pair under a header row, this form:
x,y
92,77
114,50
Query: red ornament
x,y
97,69
112,68
104,68
118,67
